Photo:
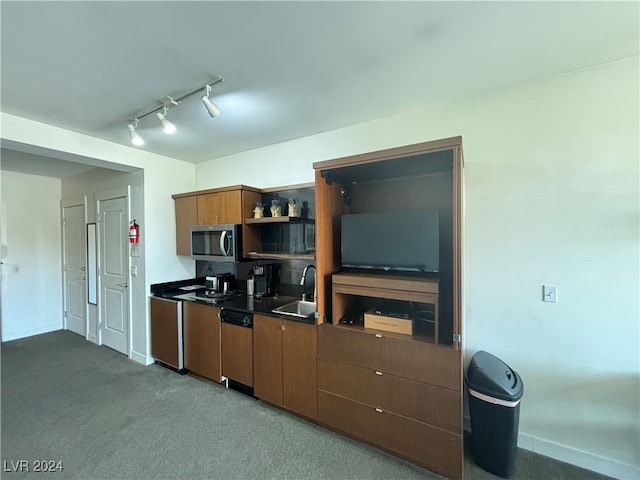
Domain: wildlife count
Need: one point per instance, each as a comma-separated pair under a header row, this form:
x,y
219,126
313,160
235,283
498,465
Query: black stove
x,y
209,296
215,297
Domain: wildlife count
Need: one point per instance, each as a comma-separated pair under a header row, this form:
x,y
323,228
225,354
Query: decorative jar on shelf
x,y
258,212
293,208
276,210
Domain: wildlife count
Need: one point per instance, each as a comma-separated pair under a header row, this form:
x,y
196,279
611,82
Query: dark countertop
x,y
241,302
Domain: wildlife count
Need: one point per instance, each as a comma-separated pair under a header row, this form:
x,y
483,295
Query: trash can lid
x,y
490,376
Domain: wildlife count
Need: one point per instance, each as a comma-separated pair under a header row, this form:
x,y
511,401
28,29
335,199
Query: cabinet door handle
x,y
379,410
282,327
378,335
378,373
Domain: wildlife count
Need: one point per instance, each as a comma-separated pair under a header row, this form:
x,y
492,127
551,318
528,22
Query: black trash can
x,y
495,391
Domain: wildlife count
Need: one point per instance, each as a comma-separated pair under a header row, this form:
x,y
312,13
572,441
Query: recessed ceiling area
x,y
31,160
36,165
291,69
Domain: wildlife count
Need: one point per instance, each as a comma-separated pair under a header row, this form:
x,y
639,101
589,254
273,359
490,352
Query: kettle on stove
x,y
217,282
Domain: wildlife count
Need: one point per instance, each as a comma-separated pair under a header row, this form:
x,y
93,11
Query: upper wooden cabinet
x,y
186,215
221,206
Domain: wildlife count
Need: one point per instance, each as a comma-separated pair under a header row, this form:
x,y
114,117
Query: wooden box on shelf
x,y
388,323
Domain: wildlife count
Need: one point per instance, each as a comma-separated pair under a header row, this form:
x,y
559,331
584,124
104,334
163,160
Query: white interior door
x,y
113,273
75,269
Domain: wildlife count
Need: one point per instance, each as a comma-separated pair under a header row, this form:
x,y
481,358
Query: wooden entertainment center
x,y
399,392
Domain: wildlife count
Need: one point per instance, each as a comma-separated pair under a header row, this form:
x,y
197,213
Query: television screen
x,y
407,241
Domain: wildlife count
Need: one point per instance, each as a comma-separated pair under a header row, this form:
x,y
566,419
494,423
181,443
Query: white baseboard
x,y
141,358
92,338
579,458
32,331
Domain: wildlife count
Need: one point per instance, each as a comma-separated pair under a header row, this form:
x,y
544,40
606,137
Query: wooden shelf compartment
x,y
404,288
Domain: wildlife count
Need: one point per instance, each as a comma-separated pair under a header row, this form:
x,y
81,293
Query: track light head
x,y
136,139
168,127
211,107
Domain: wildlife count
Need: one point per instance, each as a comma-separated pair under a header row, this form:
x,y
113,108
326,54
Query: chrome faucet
x,y
315,283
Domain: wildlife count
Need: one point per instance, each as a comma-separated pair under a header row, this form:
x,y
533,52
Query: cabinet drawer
x,y
409,358
435,364
348,345
361,421
438,450
420,401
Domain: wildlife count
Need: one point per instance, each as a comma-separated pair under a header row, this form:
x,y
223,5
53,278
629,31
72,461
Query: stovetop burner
x,y
215,297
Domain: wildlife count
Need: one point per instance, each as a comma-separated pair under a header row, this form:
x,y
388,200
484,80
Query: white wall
x,y
163,176
32,299
552,196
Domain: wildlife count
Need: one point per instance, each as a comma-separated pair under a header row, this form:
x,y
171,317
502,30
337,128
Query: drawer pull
x,y
378,335
378,373
378,409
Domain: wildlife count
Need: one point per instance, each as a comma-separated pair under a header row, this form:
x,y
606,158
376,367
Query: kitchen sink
x,y
299,308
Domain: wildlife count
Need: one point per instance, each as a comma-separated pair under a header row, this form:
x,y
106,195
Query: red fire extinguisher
x,y
134,232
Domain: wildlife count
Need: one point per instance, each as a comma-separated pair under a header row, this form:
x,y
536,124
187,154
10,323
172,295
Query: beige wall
x,y
552,197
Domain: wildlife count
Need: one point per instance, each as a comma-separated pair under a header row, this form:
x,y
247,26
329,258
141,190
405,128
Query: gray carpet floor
x,y
105,417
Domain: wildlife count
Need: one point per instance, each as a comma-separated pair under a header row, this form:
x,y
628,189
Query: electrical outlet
x,y
549,293
134,270
15,269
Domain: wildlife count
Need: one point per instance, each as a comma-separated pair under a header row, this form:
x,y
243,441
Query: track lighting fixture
x,y
211,107
136,139
169,102
167,127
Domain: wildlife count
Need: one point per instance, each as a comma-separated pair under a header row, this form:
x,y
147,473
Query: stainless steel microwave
x,y
216,243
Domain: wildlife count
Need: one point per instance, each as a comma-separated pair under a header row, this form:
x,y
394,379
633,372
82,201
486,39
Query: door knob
x,y
123,285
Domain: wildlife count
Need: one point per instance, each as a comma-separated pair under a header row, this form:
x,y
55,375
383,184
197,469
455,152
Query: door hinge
x,y
457,338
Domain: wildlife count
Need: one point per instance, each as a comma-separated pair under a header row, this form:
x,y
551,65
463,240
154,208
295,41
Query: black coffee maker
x,y
267,279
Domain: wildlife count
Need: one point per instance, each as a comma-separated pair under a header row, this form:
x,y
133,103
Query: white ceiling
x,y
291,69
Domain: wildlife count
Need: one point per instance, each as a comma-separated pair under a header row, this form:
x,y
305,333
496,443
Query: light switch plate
x,y
550,293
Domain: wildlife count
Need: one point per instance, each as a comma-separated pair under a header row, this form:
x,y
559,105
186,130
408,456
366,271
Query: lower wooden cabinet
x,y
167,344
398,393
284,371
202,345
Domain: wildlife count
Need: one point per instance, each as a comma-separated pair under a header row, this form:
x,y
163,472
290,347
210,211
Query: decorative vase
x,y
258,212
293,210
276,211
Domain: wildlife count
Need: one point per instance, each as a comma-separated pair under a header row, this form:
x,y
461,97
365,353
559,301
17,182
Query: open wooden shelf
x,y
284,219
281,256
385,286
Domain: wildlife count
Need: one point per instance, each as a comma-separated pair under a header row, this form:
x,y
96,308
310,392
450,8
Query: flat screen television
x,y
404,241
